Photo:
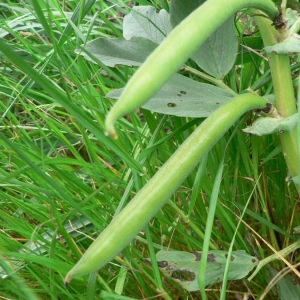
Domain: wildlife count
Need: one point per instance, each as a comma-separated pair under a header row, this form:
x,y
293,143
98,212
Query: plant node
x,y
279,22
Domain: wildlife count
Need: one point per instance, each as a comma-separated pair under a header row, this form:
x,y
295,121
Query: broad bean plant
x,y
278,34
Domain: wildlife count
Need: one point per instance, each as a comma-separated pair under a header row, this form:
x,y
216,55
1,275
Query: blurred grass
x,y
62,179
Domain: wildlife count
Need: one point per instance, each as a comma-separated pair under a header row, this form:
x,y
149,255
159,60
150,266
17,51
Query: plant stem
x,y
284,92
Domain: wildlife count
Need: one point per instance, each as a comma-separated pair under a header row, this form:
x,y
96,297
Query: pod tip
x,y
67,281
111,132
109,127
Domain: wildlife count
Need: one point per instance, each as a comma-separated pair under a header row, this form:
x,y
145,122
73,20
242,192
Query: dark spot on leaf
x,y
217,102
147,261
183,92
162,264
170,104
198,255
231,258
179,95
254,260
211,258
183,275
170,267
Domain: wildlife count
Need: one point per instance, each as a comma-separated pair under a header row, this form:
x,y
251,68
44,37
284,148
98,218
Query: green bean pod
x,y
173,52
162,185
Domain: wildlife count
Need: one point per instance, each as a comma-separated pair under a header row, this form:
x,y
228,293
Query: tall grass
x,y
62,180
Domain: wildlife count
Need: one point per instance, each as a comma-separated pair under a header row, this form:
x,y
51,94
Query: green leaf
x,y
184,97
218,53
145,22
179,9
287,288
183,267
290,45
267,125
112,52
292,16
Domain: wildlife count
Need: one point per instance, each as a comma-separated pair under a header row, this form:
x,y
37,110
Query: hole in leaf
x,y
183,275
198,255
231,258
162,264
171,267
170,104
211,258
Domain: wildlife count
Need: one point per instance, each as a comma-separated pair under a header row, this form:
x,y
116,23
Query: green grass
x,y
62,180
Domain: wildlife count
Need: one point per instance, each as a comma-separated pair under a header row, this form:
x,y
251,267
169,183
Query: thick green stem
x,y
173,52
284,92
127,224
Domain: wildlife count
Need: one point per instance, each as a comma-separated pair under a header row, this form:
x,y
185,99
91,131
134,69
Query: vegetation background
x,y
62,179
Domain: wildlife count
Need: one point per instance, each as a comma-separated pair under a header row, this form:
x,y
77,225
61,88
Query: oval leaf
x,y
145,22
218,53
287,287
179,9
112,52
183,267
184,97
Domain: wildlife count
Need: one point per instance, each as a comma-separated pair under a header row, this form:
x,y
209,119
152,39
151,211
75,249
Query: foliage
x,y
183,267
63,180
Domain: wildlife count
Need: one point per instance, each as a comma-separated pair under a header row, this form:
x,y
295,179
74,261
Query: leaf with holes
x,y
184,97
183,267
